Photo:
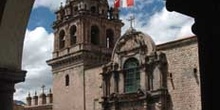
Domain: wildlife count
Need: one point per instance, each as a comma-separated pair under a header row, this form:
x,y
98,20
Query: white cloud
x,y
38,46
163,26
166,26
186,31
51,4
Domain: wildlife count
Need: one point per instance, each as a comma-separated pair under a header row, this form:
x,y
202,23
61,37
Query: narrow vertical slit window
x,y
67,80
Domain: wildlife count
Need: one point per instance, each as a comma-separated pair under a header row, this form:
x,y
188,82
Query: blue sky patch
x,y
41,17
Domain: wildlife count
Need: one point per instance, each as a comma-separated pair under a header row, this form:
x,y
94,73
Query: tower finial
x,y
43,87
131,19
29,94
50,91
68,2
35,93
61,5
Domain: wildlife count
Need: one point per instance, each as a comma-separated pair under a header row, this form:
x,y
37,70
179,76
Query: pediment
x,y
135,42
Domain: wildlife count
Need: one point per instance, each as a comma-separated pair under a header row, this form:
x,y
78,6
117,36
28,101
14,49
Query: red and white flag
x,y
127,3
117,3
123,3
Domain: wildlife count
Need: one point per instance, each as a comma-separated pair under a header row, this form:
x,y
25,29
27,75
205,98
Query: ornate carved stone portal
x,y
136,77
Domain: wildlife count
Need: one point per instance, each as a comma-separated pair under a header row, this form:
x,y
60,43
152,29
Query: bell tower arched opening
x,y
95,35
73,37
61,39
109,38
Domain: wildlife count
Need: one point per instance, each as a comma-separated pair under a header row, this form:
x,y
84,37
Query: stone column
x,y
8,78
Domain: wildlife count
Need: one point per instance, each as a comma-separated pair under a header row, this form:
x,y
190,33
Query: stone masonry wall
x,y
68,97
183,79
93,88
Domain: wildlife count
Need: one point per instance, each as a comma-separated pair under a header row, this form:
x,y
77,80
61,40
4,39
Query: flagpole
x,y
133,9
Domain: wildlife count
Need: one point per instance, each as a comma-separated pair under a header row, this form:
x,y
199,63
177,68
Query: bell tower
x,y
85,32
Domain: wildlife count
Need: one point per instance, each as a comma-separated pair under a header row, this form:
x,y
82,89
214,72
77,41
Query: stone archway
x,y
12,29
14,16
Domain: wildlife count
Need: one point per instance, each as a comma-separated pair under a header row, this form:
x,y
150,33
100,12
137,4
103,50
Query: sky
x,y
151,17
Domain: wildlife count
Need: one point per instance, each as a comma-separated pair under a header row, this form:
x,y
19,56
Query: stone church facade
x,y
95,68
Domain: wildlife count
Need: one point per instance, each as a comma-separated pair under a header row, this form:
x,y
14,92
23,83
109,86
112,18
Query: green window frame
x,y
131,75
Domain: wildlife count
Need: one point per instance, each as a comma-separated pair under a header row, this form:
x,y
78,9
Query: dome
x,y
42,95
133,43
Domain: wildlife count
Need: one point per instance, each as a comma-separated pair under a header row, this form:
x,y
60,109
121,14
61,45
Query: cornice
x,y
12,75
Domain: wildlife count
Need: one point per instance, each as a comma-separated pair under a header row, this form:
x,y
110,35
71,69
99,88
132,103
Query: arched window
x,y
62,39
95,35
67,80
93,9
73,35
109,38
131,75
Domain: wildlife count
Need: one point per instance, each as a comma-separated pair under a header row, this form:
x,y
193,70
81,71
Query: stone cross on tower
x,y
43,87
131,19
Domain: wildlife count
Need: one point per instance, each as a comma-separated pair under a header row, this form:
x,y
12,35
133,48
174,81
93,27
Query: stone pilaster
x,y
8,78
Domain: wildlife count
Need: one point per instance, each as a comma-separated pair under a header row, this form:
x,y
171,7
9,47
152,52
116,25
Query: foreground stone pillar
x,y
8,78
14,16
6,94
207,30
